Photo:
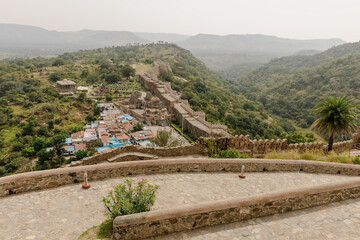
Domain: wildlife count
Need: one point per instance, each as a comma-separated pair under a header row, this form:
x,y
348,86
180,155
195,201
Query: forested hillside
x,y
33,115
289,87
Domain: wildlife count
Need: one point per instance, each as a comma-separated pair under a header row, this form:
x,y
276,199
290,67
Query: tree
x,y
112,78
164,139
81,97
50,124
109,98
138,127
58,62
337,115
96,110
81,154
89,118
127,71
39,143
54,77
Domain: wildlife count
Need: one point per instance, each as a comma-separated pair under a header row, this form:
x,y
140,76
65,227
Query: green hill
x,y
289,87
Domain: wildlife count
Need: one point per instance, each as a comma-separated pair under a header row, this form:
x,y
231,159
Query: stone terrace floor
x,y
66,212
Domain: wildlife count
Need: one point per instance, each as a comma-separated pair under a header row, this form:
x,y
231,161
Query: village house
x,y
90,135
80,146
142,136
65,86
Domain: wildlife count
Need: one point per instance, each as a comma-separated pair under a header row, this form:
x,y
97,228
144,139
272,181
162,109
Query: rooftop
x,y
65,82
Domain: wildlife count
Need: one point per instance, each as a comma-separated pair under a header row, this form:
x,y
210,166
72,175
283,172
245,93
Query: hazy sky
x,y
299,19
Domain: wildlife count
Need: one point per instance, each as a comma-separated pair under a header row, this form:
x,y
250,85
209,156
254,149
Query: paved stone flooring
x,y
66,212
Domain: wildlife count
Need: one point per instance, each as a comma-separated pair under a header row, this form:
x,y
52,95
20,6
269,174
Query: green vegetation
x,y
230,153
130,198
105,229
290,87
138,127
356,160
298,137
336,115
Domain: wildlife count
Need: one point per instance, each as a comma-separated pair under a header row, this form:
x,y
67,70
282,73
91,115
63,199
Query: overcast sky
x,y
298,19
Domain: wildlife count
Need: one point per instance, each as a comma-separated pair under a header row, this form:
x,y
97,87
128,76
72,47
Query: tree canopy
x,y
336,115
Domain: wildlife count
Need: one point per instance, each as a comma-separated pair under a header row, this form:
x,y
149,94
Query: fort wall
x,y
194,122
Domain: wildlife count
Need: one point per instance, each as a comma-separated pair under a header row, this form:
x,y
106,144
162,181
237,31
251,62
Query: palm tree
x,y
337,115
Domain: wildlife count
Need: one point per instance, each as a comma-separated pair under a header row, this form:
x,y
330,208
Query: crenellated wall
x,y
258,148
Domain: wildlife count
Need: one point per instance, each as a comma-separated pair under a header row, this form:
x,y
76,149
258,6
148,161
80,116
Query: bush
x,y
2,171
130,198
138,127
81,154
230,153
356,160
164,139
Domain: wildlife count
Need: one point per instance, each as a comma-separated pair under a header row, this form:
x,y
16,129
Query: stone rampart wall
x,y
186,218
258,148
195,124
38,180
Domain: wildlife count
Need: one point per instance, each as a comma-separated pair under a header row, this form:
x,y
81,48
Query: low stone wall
x,y
101,157
185,218
38,180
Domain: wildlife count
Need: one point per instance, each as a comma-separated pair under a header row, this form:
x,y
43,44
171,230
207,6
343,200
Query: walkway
x,y
66,212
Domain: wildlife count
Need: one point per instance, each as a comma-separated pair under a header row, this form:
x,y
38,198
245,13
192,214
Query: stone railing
x,y
38,180
186,218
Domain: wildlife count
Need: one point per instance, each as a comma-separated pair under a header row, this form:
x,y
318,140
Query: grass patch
x,y
311,155
85,235
105,229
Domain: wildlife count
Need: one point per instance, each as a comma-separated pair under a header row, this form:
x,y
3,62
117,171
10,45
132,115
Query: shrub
x,y
163,138
356,160
81,154
2,171
138,127
230,153
130,198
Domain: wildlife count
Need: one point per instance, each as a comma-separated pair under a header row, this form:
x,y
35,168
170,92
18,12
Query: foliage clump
x,y
356,160
298,137
129,198
336,115
164,139
230,153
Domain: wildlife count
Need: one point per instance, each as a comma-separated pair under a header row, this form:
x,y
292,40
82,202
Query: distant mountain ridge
x,y
225,52
217,52
254,43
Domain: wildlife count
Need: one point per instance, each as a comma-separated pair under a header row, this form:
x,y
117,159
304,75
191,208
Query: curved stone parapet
x,y
38,180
